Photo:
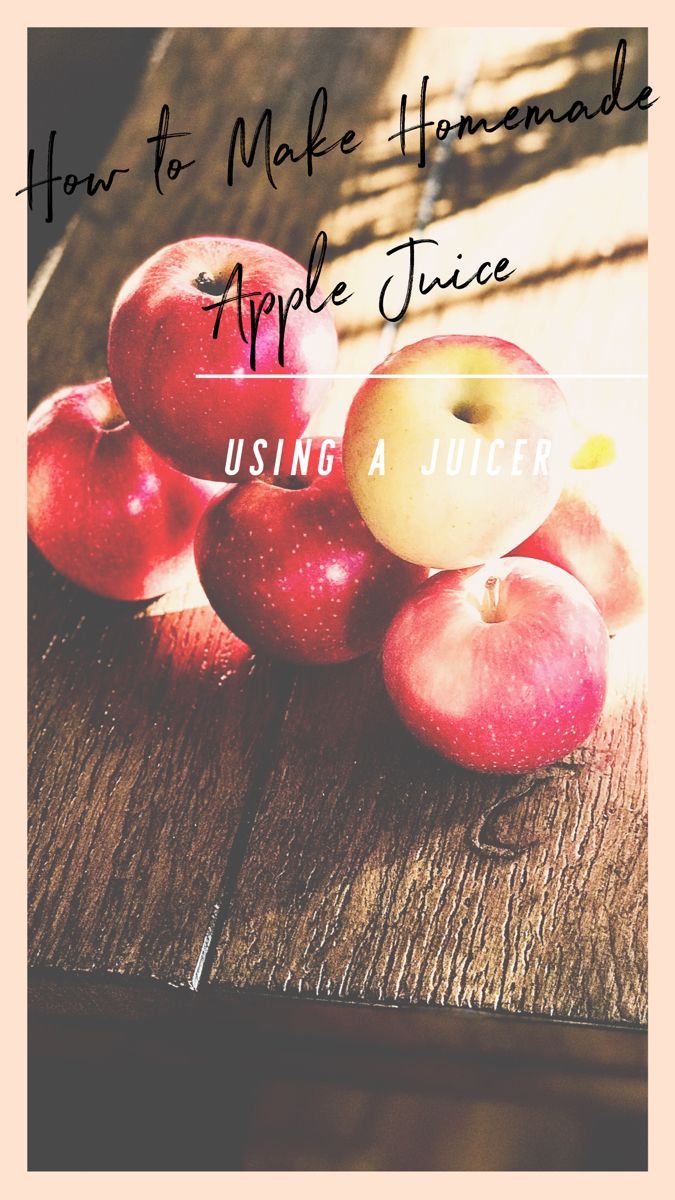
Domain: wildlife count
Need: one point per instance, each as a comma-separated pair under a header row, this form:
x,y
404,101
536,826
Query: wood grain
x,y
148,736
361,882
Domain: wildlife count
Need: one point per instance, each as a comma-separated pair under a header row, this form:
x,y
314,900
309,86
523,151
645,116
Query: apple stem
x,y
207,284
490,599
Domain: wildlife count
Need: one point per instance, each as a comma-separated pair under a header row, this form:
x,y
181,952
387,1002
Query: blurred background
x,y
568,206
267,1084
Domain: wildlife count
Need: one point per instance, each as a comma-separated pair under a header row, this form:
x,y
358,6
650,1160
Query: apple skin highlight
x,y
295,572
161,337
502,691
103,508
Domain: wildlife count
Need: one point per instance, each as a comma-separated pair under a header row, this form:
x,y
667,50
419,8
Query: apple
x,y
290,567
161,338
597,530
503,668
103,508
501,449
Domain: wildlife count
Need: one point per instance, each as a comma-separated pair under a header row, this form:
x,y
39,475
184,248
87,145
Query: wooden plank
x,y
363,881
148,736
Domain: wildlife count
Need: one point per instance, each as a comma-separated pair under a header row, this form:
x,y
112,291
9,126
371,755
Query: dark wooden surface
x,y
145,752
262,1083
361,880
204,819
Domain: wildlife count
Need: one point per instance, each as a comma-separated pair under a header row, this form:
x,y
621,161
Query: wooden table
x,y
210,830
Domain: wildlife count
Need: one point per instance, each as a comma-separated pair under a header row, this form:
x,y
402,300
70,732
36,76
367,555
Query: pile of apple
x,y
498,660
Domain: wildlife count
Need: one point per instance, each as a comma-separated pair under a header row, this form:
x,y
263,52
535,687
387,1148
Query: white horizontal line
x,y
381,375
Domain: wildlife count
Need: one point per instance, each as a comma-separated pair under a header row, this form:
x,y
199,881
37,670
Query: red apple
x,y
161,337
597,530
102,506
292,569
501,669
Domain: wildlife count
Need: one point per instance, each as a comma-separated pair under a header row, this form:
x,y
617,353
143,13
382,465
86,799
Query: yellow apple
x,y
453,457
